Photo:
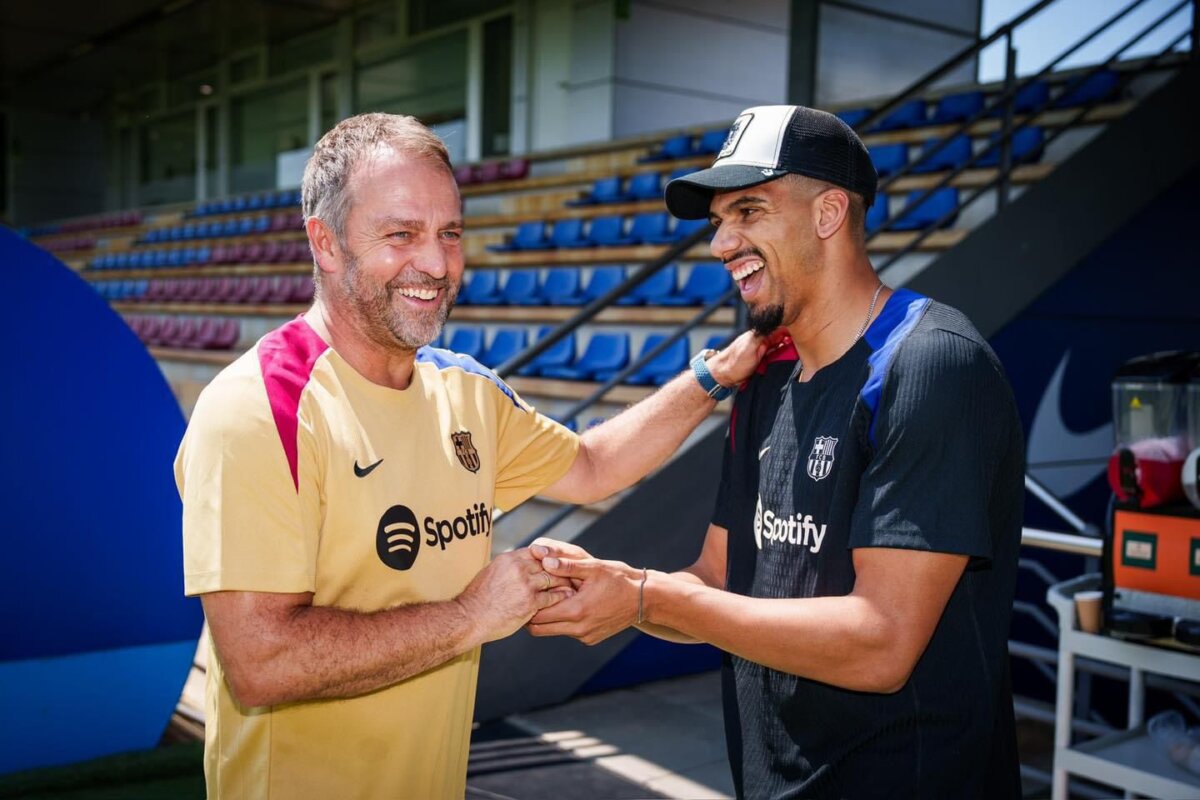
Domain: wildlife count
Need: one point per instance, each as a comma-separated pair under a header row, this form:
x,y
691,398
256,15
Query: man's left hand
x,y
605,601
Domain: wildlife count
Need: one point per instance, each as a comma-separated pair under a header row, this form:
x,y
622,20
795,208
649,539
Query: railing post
x,y
1010,77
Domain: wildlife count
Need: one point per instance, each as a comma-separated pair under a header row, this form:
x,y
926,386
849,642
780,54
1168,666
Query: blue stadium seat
x,y
468,341
955,154
957,108
706,282
1027,144
910,114
601,281
651,227
262,224
686,227
853,116
559,354
521,288
609,232
254,203
483,289
889,158
929,211
529,236
654,290
203,255
569,233
676,147
877,214
605,352
1092,89
1027,100
561,287
245,226
605,190
646,186
238,204
680,172
506,343
716,341
712,141
661,368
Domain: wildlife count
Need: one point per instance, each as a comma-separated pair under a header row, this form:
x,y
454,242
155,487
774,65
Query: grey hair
x,y
325,191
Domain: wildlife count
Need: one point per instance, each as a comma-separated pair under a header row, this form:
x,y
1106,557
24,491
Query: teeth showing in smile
x,y
746,270
420,294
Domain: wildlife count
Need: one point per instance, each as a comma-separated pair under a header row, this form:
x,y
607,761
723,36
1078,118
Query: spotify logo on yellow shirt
x,y
398,539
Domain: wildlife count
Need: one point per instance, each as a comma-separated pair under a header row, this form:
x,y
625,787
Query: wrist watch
x,y
705,378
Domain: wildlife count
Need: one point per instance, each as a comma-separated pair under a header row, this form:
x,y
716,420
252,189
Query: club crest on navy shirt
x,y
820,460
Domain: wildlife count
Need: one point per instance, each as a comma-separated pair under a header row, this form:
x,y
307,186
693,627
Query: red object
x,y
1148,473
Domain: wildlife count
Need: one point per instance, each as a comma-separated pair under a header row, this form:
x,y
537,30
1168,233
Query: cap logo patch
x,y
767,172
735,135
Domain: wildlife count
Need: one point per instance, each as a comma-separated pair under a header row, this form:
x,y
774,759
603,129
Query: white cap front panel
x,y
756,137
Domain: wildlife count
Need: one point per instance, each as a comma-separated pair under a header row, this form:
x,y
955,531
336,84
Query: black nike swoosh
x,y
362,472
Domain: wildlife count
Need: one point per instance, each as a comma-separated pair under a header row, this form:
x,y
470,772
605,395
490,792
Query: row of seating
x,y
248,202
208,333
117,219
563,286
1027,144
605,355
487,172
70,243
955,108
653,227
686,145
236,226
615,189
244,289
272,252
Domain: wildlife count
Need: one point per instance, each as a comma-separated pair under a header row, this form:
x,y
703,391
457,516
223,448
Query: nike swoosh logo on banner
x,y
362,472
1051,442
763,452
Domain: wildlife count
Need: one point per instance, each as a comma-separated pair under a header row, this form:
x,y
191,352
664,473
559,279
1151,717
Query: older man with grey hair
x,y
338,484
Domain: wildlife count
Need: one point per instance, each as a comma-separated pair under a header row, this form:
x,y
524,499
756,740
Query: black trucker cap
x,y
767,142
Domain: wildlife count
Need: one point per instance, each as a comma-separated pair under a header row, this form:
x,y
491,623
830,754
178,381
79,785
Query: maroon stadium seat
x,y
280,290
488,172
514,168
302,289
259,291
464,174
241,288
225,336
272,252
167,331
184,335
225,290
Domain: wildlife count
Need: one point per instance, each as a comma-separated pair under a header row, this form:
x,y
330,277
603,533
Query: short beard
x,y
765,321
377,315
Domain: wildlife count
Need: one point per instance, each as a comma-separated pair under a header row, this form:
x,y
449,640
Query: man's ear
x,y
324,246
831,209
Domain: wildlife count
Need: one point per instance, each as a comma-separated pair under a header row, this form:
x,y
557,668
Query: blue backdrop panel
x,y
91,532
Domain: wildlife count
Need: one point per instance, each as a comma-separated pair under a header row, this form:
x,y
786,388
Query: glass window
x,y
497,86
425,15
429,81
167,155
261,126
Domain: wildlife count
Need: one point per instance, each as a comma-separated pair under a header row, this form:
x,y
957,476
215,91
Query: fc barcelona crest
x,y
820,460
468,456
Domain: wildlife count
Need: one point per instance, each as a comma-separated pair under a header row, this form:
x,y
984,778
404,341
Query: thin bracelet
x,y
641,617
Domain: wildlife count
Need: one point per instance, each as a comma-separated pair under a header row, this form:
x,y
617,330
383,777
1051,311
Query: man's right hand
x,y
508,592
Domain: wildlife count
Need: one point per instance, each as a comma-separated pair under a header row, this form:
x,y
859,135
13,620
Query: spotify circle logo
x,y
397,540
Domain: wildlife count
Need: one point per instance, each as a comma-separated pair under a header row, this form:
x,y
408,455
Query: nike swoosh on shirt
x,y
763,452
362,472
1051,443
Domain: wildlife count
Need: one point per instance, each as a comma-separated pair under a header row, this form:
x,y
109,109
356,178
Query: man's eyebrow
x,y
741,202
418,224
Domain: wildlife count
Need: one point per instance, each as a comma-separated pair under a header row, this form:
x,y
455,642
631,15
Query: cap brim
x,y
690,196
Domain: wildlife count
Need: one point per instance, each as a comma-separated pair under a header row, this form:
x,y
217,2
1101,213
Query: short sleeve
x,y
941,433
534,451
248,525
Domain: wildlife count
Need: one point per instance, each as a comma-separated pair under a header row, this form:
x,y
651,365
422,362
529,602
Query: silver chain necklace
x,y
861,331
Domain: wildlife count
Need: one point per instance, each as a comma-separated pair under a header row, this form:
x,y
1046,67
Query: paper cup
x,y
1087,608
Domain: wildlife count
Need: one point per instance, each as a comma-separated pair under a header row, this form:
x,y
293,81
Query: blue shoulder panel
x,y
900,315
446,359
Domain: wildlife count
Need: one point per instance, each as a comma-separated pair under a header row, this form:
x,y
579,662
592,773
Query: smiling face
x,y
402,258
766,238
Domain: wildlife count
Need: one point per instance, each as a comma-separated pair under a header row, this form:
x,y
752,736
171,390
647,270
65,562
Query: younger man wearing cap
x,y
860,565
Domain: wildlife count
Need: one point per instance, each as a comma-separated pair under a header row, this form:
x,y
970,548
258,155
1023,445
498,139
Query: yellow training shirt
x,y
299,475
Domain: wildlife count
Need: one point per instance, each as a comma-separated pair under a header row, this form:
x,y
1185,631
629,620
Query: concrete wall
x,y
56,167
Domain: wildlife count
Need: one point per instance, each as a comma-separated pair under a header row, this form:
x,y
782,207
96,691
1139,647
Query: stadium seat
x,y
645,186
559,354
604,190
529,236
182,334
675,147
506,343
711,141
706,282
1027,145
853,116
514,169
957,108
877,214
651,228
224,336
254,252
279,289
1028,100
654,290
487,172
1092,89
521,288
609,232
910,114
661,368
929,211
955,154
686,227
206,290
302,289
483,288
561,287
468,341
568,233
258,290
464,174
601,281
605,352
888,158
